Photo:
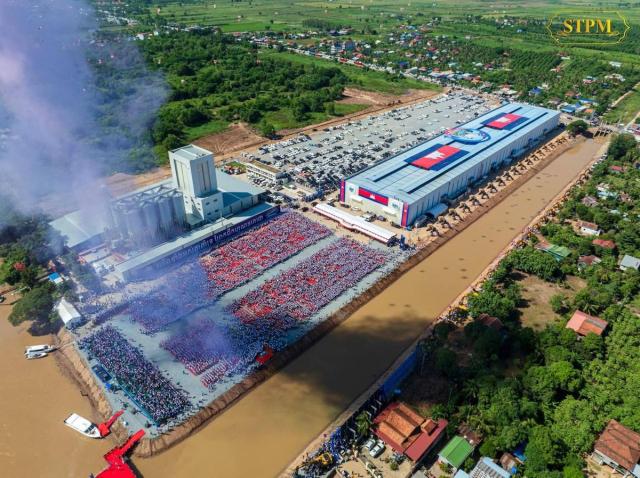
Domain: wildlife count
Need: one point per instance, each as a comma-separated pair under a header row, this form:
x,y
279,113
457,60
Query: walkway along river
x,y
265,430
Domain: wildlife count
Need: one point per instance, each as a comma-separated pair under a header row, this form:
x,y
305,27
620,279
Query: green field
x,y
364,79
626,110
343,109
284,119
211,127
288,15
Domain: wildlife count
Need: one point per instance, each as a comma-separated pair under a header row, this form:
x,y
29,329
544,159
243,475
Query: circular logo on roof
x,y
467,135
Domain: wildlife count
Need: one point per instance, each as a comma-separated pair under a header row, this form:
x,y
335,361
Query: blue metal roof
x,y
401,178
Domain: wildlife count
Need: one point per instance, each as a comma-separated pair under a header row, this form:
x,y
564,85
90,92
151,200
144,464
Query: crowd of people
x,y
217,348
220,371
301,291
224,348
160,399
197,284
199,345
239,261
181,292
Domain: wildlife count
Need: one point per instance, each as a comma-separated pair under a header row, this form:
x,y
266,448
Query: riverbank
x,y
542,216
151,446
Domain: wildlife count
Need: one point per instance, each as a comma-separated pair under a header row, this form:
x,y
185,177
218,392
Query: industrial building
x,y
197,194
149,216
264,171
170,218
416,182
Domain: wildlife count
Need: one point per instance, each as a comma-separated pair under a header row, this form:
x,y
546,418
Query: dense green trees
x,y
577,127
215,78
623,147
35,305
549,389
535,262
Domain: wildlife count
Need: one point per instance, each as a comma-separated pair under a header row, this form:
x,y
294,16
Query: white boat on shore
x,y
82,425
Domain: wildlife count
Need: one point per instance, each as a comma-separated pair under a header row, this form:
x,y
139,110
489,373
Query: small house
x,y
559,253
588,228
604,243
619,448
586,261
583,324
487,468
629,262
455,452
617,169
509,462
589,201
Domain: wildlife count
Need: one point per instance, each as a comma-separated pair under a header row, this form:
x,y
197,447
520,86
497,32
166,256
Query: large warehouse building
x,y
416,182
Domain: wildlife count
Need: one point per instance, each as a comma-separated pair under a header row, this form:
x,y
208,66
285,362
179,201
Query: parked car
x,y
370,443
377,450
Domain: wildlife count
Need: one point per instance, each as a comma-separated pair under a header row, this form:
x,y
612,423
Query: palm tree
x,y
363,423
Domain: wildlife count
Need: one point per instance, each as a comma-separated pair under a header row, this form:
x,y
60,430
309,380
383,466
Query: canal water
x,y
264,431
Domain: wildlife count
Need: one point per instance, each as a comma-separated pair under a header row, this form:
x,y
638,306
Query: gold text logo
x,y
601,28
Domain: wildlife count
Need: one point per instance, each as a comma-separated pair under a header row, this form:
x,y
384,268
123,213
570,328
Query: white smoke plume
x,y
62,130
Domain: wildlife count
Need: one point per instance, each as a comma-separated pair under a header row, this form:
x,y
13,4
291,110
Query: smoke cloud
x,y
62,126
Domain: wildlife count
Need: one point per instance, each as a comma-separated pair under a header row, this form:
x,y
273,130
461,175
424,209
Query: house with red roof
x,y
583,324
604,243
619,448
617,169
407,432
585,261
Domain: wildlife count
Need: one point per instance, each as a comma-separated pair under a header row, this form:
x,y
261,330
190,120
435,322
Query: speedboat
x,y
33,349
35,355
82,425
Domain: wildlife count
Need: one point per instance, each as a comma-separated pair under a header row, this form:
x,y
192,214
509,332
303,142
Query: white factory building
x,y
171,219
195,195
416,182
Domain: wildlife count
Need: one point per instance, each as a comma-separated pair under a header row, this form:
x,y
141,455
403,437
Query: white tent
x,y
68,314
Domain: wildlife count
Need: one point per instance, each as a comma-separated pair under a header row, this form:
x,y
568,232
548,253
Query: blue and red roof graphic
x,y
505,121
436,157
379,198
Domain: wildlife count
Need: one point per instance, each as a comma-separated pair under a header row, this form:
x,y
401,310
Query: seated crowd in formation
x,y
140,379
198,284
217,348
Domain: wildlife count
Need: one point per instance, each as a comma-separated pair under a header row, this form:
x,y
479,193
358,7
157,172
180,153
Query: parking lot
x,y
320,162
374,459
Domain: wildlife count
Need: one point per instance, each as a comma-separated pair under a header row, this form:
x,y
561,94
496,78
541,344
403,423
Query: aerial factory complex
x,y
319,239
212,280
417,181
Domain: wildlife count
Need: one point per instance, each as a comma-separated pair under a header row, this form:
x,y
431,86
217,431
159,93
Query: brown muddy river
x,y
264,431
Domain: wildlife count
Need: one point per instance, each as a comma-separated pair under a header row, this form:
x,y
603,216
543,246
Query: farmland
x,y
497,47
260,15
627,109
